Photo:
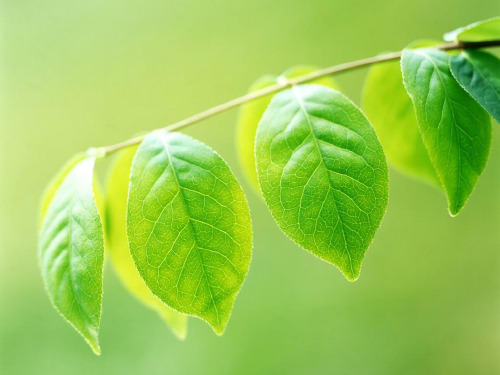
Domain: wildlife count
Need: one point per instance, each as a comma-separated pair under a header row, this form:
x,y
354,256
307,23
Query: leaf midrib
x,y
165,146
450,103
70,254
304,111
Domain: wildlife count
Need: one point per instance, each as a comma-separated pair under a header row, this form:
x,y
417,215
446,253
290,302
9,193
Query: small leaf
x,y
323,173
478,73
390,110
72,252
455,129
188,226
117,192
481,31
251,113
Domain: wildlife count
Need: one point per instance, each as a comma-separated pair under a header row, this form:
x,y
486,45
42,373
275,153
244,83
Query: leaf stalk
x,y
283,84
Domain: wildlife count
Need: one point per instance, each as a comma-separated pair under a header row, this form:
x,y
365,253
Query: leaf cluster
x,y
175,220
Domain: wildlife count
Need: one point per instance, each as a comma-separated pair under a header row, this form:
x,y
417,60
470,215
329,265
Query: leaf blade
x,y
72,252
116,207
193,244
322,173
453,125
478,73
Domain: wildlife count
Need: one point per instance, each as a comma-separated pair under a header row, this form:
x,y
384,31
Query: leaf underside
x,y
72,252
188,226
322,173
481,31
478,72
455,129
116,200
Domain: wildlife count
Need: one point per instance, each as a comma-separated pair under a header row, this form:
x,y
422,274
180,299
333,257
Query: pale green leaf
x,y
249,117
116,193
481,31
54,184
390,110
72,252
478,72
455,129
323,173
188,226
251,113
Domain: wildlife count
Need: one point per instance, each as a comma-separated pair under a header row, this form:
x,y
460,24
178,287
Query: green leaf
x,y
323,173
481,31
72,252
116,193
251,113
390,110
478,73
455,129
188,226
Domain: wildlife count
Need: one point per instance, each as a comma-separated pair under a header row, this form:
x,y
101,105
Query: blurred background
x,y
75,74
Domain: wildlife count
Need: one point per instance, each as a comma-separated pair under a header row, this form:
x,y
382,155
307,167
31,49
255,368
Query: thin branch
x,y
104,151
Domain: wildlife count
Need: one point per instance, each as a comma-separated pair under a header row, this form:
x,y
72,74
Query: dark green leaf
x,y
455,129
478,73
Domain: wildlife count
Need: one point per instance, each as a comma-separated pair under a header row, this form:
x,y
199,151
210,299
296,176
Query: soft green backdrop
x,y
75,74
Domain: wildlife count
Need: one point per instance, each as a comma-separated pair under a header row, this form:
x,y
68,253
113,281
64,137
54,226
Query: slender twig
x,y
283,84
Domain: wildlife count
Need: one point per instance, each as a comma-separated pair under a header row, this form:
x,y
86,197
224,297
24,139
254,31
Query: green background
x,y
75,74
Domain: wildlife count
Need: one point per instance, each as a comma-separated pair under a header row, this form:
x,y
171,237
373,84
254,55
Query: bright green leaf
x,y
481,31
390,110
188,226
478,72
117,192
323,173
455,129
251,113
72,252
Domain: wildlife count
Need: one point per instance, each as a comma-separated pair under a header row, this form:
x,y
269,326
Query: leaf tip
x,y
454,211
94,345
351,276
96,350
219,329
454,208
217,326
352,269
